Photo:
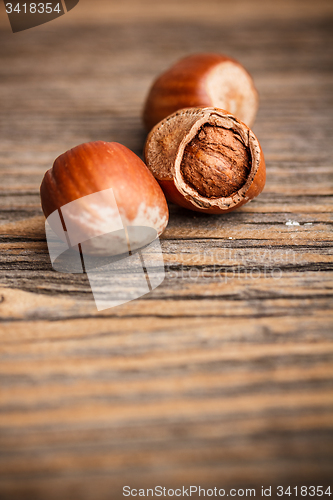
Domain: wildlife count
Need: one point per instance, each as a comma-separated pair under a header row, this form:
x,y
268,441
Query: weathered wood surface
x,y
223,375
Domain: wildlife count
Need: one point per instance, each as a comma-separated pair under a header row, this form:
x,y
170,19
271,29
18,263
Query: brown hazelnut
x,y
206,160
202,80
128,194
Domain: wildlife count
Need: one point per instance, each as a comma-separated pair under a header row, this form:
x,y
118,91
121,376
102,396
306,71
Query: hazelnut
x,y
100,187
202,80
206,160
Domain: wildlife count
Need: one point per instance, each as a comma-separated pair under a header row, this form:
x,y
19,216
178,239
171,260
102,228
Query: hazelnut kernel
x,y
206,160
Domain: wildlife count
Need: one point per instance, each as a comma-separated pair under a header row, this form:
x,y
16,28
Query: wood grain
x,y
223,375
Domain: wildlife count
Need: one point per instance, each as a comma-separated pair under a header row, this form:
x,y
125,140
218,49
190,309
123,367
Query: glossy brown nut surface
x,y
226,172
202,80
96,167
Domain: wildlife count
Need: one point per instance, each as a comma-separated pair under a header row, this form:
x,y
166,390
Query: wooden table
x,y
222,376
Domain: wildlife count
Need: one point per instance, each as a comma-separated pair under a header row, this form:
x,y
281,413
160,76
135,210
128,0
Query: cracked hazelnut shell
x,y
202,80
206,160
94,168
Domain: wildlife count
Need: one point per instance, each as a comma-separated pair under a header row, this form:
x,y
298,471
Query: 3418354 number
x,y
32,8
304,491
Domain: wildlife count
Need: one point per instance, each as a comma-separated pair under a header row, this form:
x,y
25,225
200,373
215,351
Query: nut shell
x,y
202,80
94,168
164,151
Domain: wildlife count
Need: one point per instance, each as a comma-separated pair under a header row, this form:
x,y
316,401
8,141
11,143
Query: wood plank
x,y
222,376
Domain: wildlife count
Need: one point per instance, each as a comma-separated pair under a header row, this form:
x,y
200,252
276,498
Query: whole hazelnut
x,y
206,160
100,188
202,80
